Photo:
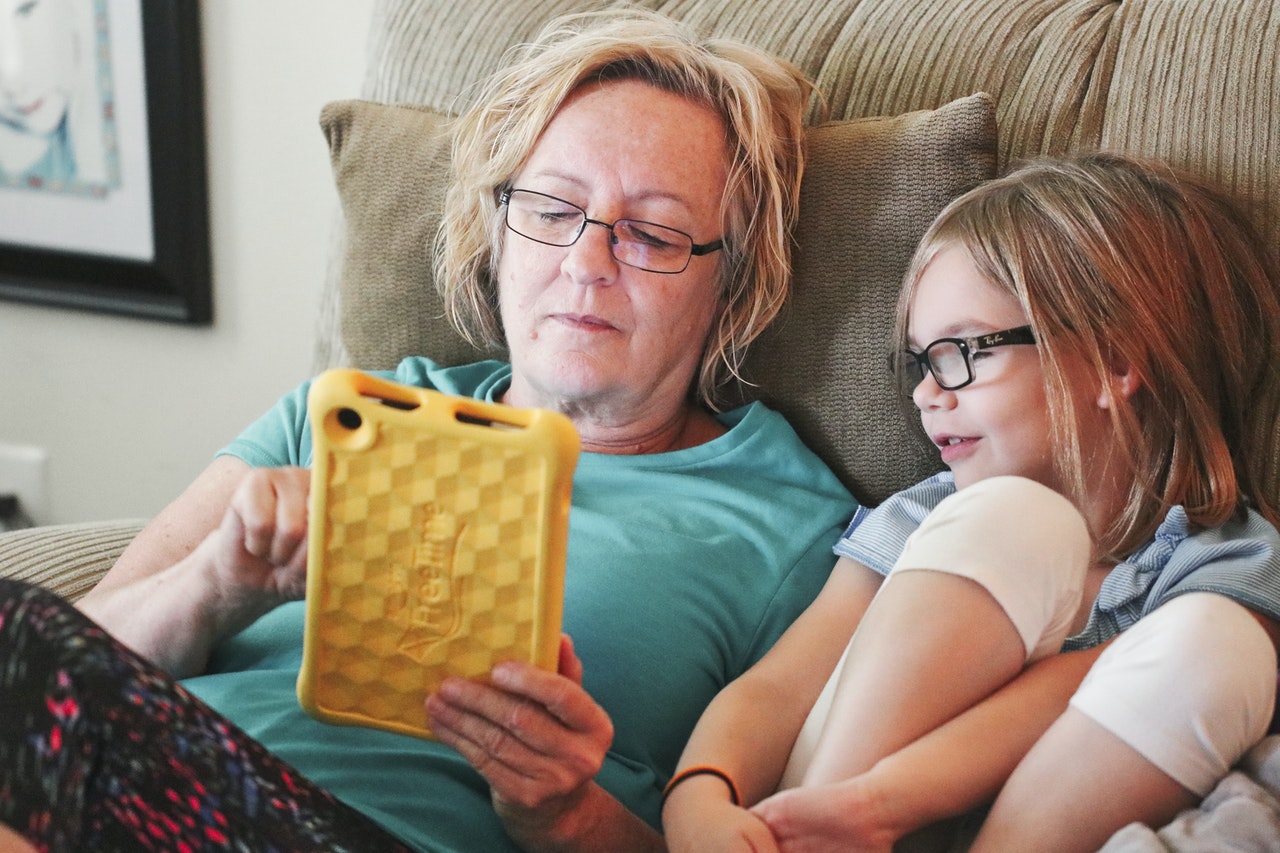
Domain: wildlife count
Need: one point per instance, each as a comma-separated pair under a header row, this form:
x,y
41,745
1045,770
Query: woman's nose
x,y
590,259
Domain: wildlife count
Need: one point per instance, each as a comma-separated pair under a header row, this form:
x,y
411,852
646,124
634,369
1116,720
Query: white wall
x,y
130,410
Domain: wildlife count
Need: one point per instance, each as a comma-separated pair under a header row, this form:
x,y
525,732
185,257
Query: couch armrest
x,y
65,558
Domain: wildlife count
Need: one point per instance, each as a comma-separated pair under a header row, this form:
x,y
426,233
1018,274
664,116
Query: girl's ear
x,y
1120,383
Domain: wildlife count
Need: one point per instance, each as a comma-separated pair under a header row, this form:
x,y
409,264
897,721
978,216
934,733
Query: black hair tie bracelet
x,y
702,770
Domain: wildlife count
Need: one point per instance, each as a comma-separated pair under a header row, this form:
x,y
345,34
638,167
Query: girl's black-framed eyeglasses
x,y
950,360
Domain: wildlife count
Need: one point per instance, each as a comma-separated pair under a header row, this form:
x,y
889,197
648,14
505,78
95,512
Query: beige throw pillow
x,y
391,165
871,188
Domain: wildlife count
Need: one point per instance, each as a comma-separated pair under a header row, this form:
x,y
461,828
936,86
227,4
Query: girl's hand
x,y
536,737
824,819
258,553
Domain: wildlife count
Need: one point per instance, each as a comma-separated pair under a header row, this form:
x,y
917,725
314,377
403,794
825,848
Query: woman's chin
x,y
567,387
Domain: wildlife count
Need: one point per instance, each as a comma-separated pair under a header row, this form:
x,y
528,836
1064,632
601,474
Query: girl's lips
x,y
954,447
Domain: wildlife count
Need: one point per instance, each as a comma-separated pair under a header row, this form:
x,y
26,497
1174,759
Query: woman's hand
x,y
258,554
231,548
538,739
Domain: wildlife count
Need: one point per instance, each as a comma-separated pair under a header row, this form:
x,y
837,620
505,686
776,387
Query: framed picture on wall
x,y
103,198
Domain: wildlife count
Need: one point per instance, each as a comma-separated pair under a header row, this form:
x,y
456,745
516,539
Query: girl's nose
x,y
930,395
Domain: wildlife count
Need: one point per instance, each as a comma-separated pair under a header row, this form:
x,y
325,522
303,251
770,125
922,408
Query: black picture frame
x,y
175,284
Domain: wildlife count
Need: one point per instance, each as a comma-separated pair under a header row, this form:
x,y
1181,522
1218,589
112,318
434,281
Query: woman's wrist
x,y
592,820
165,617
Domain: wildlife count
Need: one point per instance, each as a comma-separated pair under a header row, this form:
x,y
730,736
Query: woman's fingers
x,y
534,735
264,531
517,727
293,490
252,513
500,752
510,766
560,695
569,664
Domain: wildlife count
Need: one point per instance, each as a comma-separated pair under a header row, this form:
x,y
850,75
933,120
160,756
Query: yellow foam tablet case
x,y
436,545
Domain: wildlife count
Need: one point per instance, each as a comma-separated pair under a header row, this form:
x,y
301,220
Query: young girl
x,y
1078,621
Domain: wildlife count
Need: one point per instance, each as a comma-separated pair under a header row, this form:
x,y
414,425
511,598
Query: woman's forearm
x,y
173,618
227,551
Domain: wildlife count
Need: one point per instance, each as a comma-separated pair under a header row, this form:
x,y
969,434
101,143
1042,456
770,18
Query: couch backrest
x,y
1194,82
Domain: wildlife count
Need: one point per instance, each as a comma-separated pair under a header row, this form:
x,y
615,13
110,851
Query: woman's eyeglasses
x,y
950,360
634,242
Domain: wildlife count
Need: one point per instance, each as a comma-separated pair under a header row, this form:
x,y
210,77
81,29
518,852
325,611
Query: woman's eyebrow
x,y
648,195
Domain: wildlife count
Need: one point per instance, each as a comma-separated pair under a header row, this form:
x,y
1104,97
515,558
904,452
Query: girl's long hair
x,y
1126,264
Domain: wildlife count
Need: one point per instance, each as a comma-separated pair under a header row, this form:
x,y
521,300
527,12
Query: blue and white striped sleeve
x,y
876,536
1240,560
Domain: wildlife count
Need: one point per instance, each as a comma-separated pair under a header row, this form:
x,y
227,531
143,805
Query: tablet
x,y
436,545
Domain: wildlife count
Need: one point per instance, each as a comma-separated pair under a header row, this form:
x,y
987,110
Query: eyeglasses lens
x,y
633,242
542,218
649,246
950,368
945,359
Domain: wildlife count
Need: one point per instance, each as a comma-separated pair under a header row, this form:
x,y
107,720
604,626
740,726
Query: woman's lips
x,y
587,322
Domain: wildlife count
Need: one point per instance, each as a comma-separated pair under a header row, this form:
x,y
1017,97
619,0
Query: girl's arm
x,y
749,729
957,767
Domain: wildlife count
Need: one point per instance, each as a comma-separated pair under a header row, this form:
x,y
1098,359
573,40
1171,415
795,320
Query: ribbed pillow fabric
x,y
1196,82
871,188
65,558
391,165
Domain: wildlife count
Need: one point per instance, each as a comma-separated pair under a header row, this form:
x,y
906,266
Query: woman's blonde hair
x,y
761,101
1121,263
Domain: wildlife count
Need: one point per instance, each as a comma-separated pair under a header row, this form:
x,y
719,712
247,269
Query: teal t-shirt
x,y
683,569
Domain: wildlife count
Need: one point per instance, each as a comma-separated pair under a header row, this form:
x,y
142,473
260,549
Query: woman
x,y
620,218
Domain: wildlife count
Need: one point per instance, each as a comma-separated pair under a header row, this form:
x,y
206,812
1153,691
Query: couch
x,y
923,99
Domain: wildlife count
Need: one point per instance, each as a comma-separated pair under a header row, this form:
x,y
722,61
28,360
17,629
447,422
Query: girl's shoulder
x,y
876,535
909,506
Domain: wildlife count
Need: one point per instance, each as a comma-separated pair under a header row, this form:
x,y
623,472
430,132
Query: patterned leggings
x,y
100,750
